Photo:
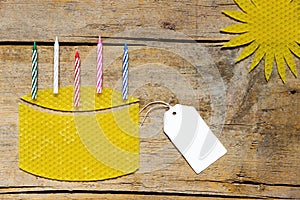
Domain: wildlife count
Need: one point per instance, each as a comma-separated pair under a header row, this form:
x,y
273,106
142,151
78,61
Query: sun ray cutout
x,y
270,29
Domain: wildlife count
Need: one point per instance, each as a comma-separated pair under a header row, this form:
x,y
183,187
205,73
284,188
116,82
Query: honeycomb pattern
x,y
82,146
270,30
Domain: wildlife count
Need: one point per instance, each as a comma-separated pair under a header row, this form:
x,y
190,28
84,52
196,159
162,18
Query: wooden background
x,y
260,130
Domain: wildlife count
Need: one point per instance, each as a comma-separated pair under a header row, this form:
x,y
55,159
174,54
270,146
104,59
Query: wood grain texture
x,y
87,196
262,158
259,121
80,20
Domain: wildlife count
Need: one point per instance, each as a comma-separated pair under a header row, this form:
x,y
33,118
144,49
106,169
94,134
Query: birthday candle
x,y
77,80
56,63
34,72
99,66
125,73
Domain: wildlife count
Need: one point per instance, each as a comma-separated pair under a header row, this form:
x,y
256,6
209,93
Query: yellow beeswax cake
x,y
98,140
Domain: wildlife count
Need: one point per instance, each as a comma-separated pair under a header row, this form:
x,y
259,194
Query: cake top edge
x,y
89,99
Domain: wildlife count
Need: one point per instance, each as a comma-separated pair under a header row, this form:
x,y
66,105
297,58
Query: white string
x,y
165,105
154,102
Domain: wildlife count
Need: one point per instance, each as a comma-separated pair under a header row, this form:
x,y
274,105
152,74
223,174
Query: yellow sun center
x,y
271,28
274,24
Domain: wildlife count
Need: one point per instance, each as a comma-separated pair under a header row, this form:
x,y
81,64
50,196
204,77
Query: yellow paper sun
x,y
271,29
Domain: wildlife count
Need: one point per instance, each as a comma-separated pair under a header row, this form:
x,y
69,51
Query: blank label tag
x,y
192,137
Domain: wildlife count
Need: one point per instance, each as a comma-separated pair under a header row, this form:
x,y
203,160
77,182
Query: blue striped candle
x,y
34,72
125,73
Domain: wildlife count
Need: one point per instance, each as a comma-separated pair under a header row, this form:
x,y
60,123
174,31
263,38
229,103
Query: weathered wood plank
x,y
82,21
261,131
261,128
105,196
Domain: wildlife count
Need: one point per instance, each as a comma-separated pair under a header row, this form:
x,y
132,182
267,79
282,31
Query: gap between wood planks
x,y
17,190
89,42
169,194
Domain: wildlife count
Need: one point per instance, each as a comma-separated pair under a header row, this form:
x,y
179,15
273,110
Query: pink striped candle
x,y
77,80
99,66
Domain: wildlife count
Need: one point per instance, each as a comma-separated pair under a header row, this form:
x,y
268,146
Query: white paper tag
x,y
192,137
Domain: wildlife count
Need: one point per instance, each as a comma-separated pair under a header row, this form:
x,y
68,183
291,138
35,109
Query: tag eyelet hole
x,y
174,113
